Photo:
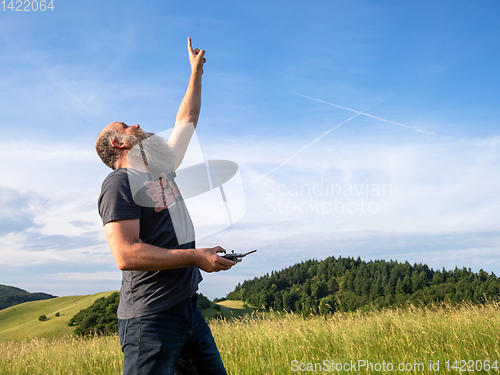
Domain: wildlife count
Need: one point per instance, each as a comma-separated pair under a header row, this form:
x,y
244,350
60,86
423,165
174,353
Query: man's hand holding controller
x,y
237,257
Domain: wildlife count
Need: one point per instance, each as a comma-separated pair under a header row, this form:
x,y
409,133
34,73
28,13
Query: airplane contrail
x,y
357,113
367,114
303,148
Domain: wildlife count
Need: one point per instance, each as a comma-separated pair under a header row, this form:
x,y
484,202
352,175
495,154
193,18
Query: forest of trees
x,y
98,318
11,296
347,284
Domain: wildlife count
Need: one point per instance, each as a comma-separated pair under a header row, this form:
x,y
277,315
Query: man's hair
x,y
108,154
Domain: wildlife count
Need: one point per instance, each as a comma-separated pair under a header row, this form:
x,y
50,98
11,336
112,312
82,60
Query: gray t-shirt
x,y
143,293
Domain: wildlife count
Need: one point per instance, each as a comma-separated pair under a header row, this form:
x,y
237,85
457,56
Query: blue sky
x,y
322,105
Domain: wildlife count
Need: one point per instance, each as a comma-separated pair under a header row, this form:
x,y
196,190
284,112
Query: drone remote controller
x,y
237,257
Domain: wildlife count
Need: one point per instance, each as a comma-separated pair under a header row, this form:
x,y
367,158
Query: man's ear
x,y
117,144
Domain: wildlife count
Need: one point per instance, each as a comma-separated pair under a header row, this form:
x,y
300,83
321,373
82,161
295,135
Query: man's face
x,y
148,148
115,139
123,128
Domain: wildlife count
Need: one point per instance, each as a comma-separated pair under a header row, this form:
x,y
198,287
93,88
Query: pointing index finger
x,y
190,46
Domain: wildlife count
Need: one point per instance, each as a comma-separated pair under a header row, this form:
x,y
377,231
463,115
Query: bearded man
x,y
151,237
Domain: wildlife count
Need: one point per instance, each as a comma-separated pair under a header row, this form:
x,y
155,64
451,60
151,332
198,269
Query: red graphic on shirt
x,y
163,191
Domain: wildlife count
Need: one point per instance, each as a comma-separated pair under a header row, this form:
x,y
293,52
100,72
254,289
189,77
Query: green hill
x,y
21,321
11,296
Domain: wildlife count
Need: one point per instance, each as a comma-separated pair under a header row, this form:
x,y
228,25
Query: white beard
x,y
159,159
154,153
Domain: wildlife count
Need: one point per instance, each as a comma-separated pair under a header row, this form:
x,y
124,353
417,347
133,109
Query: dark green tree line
x,y
11,296
347,284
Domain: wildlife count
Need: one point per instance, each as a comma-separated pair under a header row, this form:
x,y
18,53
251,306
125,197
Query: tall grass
x,y
66,355
281,343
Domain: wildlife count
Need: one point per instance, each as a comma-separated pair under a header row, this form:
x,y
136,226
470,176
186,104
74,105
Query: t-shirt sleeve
x,y
116,201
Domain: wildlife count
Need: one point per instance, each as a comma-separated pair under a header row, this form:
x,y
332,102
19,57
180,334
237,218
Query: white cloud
x,y
59,185
436,185
83,276
25,249
436,188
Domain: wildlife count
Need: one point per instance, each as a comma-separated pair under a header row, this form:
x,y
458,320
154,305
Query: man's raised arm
x,y
189,109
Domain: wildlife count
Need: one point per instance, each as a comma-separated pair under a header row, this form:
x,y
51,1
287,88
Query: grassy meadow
x,y
286,344
21,321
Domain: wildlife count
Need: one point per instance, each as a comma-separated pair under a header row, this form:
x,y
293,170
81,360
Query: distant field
x,y
229,309
422,340
21,321
232,304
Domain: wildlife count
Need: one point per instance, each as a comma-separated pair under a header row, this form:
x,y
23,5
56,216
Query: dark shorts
x,y
176,341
